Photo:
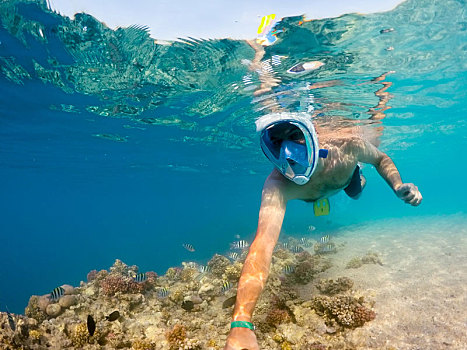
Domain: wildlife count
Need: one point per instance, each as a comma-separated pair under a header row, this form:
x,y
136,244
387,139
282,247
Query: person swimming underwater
x,y
311,162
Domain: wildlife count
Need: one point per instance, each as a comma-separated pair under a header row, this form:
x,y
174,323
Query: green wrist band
x,y
242,324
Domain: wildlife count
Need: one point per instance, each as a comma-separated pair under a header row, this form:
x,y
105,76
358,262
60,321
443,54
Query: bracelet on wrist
x,y
242,324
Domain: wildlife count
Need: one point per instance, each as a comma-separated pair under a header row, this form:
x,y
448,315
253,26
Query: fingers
x,y
410,194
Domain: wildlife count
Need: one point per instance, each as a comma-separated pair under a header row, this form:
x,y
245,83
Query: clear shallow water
x,y
113,145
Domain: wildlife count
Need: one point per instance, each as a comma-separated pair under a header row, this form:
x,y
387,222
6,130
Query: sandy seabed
x,y
420,290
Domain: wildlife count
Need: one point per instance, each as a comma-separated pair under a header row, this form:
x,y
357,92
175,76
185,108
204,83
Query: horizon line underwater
x,y
132,177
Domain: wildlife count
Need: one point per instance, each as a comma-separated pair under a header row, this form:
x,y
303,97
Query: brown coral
x,y
113,284
176,336
218,264
347,311
277,316
331,287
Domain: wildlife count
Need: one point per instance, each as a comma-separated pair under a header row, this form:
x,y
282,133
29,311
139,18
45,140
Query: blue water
x,y
115,146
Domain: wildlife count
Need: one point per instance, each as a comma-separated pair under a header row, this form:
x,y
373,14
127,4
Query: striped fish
x,y
328,248
296,249
226,286
162,292
233,255
324,239
303,240
188,247
140,277
204,268
57,293
285,245
288,269
242,244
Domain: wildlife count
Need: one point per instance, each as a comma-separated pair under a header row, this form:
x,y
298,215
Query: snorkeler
x,y
311,162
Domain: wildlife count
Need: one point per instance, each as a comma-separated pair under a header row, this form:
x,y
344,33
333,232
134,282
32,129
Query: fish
x,y
288,269
242,244
188,305
233,255
57,293
91,325
204,268
113,316
387,30
285,245
296,249
188,247
163,292
328,248
324,239
229,302
226,286
140,277
11,321
237,236
311,228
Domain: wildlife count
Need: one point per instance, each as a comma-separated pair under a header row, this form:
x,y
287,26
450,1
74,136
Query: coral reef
x,y
113,284
190,307
218,264
331,287
347,311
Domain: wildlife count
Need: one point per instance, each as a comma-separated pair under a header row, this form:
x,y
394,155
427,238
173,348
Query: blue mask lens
x,y
295,154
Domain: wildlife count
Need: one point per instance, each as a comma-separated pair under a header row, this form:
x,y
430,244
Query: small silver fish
x,y
140,277
285,245
226,286
242,244
57,293
237,236
324,239
233,255
311,228
162,292
188,247
303,240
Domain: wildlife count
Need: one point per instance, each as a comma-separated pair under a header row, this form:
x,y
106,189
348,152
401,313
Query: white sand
x,y
420,291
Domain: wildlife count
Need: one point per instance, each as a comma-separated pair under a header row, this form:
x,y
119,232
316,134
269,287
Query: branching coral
x,y
331,287
143,345
177,339
347,311
176,336
277,316
80,336
114,283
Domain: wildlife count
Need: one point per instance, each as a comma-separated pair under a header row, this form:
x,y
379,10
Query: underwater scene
x,y
132,177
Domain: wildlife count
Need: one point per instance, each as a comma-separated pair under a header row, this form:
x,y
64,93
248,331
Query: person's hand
x,y
241,339
409,193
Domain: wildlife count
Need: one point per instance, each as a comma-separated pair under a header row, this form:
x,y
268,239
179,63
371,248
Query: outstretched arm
x,y
256,268
368,153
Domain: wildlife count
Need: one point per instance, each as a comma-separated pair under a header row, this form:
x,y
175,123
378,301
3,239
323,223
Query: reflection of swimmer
x,y
300,68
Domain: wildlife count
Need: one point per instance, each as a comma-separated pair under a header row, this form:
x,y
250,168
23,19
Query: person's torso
x,y
333,174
